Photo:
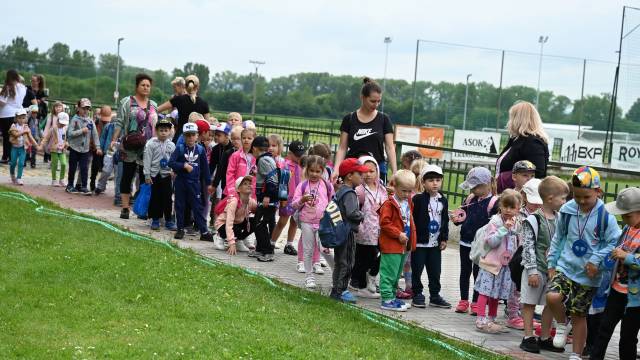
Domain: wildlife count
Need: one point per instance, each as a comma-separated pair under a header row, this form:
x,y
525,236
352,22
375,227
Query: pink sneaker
x,y
406,294
474,309
516,323
462,307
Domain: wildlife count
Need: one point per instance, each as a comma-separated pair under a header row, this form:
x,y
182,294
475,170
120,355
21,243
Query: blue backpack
x,y
334,230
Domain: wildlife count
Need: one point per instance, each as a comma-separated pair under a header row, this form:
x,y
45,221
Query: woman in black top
x,y
186,104
527,141
367,131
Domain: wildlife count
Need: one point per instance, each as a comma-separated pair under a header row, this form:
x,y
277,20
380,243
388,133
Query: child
x,y
310,200
50,122
291,163
523,171
538,230
241,162
157,173
34,126
494,278
220,178
416,168
204,139
108,128
371,195
234,119
430,214
476,211
189,163
350,175
409,157
267,197
275,148
585,235
103,125
324,151
223,144
397,238
232,224
531,197
80,132
623,302
55,139
17,133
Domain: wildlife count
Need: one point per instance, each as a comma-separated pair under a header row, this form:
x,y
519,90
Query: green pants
x,y
390,270
55,158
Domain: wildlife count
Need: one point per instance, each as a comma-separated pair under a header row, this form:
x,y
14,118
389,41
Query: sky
x,y
341,37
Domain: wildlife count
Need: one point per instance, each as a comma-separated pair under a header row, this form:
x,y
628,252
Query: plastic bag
x,y
141,206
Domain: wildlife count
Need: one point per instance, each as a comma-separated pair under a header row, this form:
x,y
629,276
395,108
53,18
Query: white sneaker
x,y
365,293
218,243
371,283
19,182
575,356
250,241
324,263
300,267
317,268
54,183
560,340
310,283
61,183
240,246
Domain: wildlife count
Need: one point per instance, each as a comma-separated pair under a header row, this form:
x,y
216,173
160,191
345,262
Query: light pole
x,y
387,41
116,93
542,40
466,98
255,80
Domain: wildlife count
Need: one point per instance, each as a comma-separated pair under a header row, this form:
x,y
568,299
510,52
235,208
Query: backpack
x,y
305,185
283,176
334,230
220,206
479,246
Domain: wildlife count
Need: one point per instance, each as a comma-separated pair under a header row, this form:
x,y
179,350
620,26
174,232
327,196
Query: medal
x,y
407,230
164,163
434,226
579,248
609,262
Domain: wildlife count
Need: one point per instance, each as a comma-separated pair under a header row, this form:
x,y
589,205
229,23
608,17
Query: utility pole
x,y
387,41
542,40
466,98
255,80
116,94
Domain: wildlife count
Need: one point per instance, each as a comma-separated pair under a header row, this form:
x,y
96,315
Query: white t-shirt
x,y
435,213
12,105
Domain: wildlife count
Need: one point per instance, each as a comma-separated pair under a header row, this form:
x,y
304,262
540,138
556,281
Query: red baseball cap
x,y
347,166
203,126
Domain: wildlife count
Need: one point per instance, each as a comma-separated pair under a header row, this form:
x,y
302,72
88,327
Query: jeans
x,y
343,259
81,159
431,258
18,154
96,167
56,158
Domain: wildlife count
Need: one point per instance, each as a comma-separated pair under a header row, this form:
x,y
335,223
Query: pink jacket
x,y
240,164
311,212
296,176
370,201
501,242
234,213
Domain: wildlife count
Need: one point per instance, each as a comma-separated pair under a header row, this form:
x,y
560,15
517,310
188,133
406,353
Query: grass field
x,y
75,289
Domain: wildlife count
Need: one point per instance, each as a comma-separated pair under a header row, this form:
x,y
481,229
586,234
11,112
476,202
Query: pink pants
x,y
316,252
483,301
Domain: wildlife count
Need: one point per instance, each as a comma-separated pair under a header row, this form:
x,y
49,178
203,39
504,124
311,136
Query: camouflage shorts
x,y
575,297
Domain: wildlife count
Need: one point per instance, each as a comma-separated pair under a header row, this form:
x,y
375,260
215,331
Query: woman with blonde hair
x,y
527,141
179,86
186,104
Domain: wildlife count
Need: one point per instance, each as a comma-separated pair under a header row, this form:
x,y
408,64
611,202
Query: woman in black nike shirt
x,y
367,131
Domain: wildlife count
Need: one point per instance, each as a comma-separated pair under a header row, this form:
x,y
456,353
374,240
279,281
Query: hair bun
x,y
367,80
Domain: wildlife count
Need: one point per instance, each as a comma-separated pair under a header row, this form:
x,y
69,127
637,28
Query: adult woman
x,y
137,117
527,141
186,104
38,87
11,97
367,131
179,86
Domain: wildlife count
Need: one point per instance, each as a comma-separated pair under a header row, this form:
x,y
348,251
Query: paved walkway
x,y
283,268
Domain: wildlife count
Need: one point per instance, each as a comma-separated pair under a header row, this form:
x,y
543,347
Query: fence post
x,y
305,139
398,156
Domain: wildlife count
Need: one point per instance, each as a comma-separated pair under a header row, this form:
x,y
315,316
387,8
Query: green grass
x,y
73,289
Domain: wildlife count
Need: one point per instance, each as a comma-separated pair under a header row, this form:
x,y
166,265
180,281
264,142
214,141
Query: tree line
x,y
78,73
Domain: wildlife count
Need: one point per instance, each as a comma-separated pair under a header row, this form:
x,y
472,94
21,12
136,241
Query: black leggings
x,y
5,125
467,267
128,171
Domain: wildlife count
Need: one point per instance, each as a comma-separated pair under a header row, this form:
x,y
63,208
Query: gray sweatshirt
x,y
154,152
76,139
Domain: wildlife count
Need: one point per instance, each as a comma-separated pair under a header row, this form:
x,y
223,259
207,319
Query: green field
x,y
70,288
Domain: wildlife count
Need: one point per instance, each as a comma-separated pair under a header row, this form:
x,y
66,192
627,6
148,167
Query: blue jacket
x,y
561,256
106,135
477,217
421,218
194,156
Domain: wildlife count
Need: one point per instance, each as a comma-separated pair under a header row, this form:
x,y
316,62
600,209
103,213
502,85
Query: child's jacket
x,y
194,156
391,226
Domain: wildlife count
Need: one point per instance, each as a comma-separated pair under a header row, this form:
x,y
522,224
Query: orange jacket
x,y
391,226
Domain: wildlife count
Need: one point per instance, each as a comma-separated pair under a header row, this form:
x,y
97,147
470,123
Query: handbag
x,y
136,140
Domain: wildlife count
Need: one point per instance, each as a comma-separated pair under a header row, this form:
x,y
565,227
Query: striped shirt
x,y
630,244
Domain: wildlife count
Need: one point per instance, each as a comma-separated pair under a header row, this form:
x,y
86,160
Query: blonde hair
x,y
524,120
416,169
193,83
249,130
195,116
552,185
179,80
510,198
236,131
404,178
278,140
234,116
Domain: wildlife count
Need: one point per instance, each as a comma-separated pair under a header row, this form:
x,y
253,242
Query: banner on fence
x,y
582,152
626,156
421,135
478,141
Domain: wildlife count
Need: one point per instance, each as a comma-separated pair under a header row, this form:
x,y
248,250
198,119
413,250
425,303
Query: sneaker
x,y
71,190
54,183
170,225
404,294
19,182
278,244
179,234
548,345
348,297
371,283
575,356
241,247
290,250
474,309
317,269
560,339
462,307
310,283
530,344
61,183
265,258
254,254
516,323
406,305
418,301
439,302
218,243
300,267
192,230
98,191
392,305
84,191
124,213
366,294
488,328
155,224
324,263
206,237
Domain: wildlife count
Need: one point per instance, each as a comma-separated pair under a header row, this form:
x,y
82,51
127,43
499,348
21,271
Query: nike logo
x,y
362,133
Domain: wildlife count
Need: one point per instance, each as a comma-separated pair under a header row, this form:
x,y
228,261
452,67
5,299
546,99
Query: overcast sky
x,y
339,37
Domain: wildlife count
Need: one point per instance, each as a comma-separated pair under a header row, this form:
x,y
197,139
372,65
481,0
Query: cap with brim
x,y
627,201
243,178
223,128
523,166
588,177
34,108
260,142
63,119
476,176
348,166
165,122
431,169
21,112
190,128
530,188
203,126
84,102
297,148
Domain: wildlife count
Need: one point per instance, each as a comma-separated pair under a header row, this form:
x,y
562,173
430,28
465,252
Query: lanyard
x,y
433,212
404,211
630,241
581,231
247,158
375,198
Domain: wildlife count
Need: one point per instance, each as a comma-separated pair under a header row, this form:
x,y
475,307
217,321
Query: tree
x,y
109,62
634,112
59,54
199,70
19,51
596,111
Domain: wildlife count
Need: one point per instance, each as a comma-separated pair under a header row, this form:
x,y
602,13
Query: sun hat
x,y
63,118
476,176
530,188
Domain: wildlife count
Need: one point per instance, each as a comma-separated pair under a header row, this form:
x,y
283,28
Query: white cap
x,y
431,169
34,108
241,179
190,128
63,118
531,190
21,112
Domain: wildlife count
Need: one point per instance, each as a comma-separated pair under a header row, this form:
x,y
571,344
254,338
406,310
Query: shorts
x,y
534,295
575,297
286,210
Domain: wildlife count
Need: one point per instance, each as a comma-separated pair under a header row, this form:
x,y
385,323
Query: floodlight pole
x,y
387,41
255,80
466,98
415,79
116,93
542,40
